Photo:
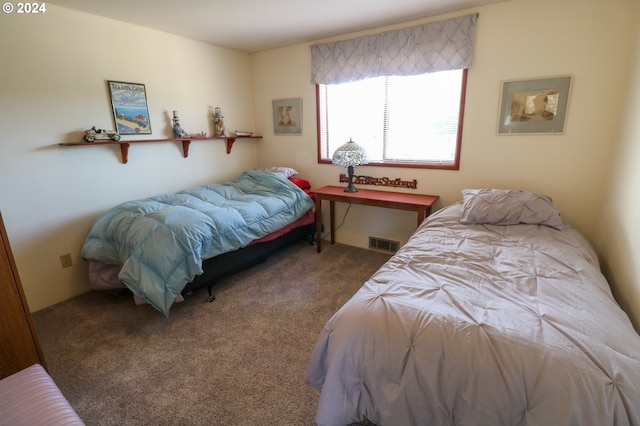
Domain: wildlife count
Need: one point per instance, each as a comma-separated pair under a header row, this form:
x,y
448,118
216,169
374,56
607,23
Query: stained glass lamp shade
x,y
350,155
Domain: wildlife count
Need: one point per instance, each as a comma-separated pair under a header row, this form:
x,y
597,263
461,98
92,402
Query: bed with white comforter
x,y
494,313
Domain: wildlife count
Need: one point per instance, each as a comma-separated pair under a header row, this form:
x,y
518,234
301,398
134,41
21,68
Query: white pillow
x,y
284,171
508,207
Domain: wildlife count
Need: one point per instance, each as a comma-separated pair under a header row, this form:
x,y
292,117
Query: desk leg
x,y
421,215
332,213
318,223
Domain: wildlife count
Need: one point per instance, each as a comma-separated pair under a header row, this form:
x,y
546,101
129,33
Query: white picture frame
x,y
534,106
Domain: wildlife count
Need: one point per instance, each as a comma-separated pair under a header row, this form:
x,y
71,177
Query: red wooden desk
x,y
418,203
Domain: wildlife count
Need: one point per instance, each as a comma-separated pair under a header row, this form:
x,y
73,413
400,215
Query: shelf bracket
x,y
124,152
185,147
230,141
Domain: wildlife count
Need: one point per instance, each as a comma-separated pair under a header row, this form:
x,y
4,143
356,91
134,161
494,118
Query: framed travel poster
x,y
130,111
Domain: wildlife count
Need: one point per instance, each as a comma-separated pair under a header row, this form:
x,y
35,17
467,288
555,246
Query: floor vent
x,y
381,244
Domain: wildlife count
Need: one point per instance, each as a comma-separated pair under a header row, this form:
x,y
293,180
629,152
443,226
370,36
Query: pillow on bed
x,y
304,185
284,171
300,183
508,207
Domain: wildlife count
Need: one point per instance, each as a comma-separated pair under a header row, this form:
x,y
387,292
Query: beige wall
x,y
619,230
514,40
53,76
52,86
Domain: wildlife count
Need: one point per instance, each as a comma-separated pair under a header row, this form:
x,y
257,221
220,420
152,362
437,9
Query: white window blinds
x,y
431,47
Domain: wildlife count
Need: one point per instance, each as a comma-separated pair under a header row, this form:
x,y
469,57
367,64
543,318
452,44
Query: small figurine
x,y
218,123
178,131
201,135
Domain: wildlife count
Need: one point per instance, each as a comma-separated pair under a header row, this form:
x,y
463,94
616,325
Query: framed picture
x,y
534,106
287,116
130,112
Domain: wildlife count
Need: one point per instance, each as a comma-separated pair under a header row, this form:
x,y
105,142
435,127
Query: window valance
x,y
431,47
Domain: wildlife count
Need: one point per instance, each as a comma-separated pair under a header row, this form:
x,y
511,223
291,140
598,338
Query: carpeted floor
x,y
240,360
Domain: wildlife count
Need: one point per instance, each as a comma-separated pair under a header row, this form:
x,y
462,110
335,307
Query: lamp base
x,y
350,187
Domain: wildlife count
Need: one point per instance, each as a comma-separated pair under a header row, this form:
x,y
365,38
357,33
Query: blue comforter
x,y
161,241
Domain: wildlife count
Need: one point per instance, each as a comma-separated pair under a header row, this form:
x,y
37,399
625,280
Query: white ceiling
x,y
255,25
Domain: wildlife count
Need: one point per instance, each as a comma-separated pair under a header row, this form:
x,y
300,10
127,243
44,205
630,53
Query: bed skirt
x,y
105,277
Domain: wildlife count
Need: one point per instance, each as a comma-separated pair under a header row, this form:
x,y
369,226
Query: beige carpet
x,y
240,360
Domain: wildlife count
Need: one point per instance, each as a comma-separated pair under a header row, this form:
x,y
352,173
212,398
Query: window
x,y
411,121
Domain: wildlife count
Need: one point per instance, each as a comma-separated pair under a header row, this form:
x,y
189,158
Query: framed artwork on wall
x,y
534,106
287,116
130,111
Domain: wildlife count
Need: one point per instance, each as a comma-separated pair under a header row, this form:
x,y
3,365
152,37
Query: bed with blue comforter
x,y
161,242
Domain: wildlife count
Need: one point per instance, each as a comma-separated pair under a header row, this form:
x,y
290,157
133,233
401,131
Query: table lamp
x,y
350,155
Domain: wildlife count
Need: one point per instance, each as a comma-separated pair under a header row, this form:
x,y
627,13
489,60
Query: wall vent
x,y
381,244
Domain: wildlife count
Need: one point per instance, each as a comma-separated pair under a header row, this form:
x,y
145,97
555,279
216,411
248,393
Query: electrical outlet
x,y
66,260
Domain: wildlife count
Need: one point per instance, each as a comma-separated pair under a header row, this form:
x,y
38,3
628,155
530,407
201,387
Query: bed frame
x,y
229,263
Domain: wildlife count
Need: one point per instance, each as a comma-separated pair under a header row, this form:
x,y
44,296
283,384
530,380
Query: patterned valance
x,y
431,47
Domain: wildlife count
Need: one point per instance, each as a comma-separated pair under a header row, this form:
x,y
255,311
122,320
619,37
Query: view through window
x,y
412,121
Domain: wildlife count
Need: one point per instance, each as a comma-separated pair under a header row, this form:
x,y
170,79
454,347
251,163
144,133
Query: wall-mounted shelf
x,y
124,145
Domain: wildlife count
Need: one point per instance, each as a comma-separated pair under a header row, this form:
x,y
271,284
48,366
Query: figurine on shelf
x,y
94,134
201,135
218,123
178,131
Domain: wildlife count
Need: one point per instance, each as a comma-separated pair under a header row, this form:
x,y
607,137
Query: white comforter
x,y
481,325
